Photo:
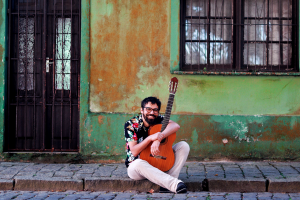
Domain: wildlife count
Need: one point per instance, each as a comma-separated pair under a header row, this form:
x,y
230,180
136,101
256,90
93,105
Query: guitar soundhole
x,y
163,141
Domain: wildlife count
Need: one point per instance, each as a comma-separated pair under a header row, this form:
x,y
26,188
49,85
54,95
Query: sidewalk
x,y
198,176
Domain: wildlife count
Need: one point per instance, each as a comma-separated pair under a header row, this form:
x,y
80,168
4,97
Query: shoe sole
x,y
183,190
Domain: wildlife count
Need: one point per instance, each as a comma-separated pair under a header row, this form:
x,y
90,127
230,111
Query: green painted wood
x,y
175,36
84,69
3,64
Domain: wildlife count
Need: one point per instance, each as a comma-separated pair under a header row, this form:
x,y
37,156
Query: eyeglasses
x,y
155,110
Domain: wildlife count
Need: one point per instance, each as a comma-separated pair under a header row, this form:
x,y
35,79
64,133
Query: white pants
x,y
141,169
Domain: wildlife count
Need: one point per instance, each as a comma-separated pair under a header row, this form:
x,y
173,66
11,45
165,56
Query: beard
x,y
149,121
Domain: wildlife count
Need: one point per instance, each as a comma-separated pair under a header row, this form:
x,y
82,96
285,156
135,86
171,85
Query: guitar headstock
x,y
173,85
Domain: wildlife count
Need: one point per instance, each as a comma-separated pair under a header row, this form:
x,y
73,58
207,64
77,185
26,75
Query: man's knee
x,y
134,169
184,146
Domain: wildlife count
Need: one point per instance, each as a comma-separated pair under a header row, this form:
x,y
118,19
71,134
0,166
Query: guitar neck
x,y
167,115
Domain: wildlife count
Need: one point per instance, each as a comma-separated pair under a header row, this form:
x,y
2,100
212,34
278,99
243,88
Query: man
x,y
137,139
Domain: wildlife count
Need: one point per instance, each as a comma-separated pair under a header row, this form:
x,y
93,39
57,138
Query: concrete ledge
x,y
291,185
48,184
237,185
6,184
118,185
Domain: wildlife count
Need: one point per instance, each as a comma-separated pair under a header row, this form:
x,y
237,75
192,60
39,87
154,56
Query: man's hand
x,y
155,148
157,136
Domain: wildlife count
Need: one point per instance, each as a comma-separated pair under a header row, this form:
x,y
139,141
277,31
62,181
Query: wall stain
x,y
273,79
203,85
1,17
1,49
297,112
135,108
134,35
100,119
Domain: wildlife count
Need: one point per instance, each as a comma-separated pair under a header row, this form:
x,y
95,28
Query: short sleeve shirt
x,y
135,130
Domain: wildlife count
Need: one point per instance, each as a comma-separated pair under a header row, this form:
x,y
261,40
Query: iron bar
x,y
215,36
25,62
53,73
34,65
248,35
18,64
191,27
44,73
208,35
232,32
288,28
8,128
237,24
63,74
266,50
255,33
71,64
198,36
222,26
272,19
280,34
78,77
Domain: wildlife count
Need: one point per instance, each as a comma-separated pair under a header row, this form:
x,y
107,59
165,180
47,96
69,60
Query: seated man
x,y
137,139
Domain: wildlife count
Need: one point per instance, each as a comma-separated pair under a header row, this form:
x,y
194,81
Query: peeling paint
x,y
1,53
100,119
133,37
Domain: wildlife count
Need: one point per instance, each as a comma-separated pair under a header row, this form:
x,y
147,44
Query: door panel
x,y
43,75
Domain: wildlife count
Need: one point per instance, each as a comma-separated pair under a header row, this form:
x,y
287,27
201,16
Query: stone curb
x,y
6,184
113,184
118,185
48,184
237,185
291,185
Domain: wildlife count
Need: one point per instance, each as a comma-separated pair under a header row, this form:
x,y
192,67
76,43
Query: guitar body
x,y
166,158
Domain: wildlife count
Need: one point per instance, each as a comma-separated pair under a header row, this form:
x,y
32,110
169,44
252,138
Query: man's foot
x,y
164,190
181,188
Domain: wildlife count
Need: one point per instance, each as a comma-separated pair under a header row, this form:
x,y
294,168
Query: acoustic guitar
x,y
166,159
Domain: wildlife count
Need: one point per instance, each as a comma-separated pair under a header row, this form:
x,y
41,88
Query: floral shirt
x,y
135,130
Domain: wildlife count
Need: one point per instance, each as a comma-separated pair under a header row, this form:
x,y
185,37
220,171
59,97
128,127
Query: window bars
x,y
248,35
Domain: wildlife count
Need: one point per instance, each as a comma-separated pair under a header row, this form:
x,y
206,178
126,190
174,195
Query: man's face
x,y
150,112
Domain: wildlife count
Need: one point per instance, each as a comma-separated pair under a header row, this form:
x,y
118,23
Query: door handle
x,y
47,64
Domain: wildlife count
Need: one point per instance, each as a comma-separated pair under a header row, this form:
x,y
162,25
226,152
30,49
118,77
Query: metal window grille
x,y
42,111
247,35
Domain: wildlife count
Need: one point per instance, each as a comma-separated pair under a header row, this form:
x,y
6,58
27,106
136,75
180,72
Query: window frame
x,y
176,44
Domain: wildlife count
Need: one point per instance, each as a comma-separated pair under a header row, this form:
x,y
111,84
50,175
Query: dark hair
x,y
153,100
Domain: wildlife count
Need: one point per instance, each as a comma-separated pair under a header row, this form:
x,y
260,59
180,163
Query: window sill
x,y
238,73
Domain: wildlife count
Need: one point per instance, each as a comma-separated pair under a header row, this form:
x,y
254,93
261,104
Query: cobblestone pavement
x,y
68,195
240,170
198,176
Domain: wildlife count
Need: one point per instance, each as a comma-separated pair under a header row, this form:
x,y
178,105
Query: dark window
x,y
234,35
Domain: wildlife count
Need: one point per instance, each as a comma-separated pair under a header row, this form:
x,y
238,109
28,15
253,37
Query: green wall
x,y
257,115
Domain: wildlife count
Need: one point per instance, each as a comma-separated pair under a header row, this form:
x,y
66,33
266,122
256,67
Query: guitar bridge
x,y
159,157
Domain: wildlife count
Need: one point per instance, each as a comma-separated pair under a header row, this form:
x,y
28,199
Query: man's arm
x,y
137,148
170,129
